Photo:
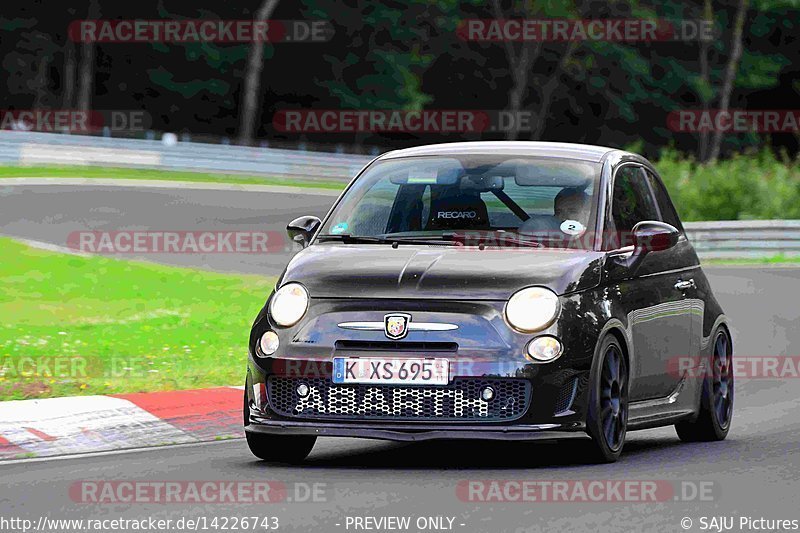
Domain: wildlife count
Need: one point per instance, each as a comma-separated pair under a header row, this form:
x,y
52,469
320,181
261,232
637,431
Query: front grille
x,y
458,401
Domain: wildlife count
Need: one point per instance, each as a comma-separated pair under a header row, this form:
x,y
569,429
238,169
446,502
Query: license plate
x,y
391,371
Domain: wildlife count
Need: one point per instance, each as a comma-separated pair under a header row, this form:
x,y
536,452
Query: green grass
x,y
74,325
768,260
48,171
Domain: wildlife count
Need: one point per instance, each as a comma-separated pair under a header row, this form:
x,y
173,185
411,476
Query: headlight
x,y
289,304
544,349
268,344
532,309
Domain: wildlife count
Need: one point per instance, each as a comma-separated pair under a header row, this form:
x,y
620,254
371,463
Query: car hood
x,y
441,272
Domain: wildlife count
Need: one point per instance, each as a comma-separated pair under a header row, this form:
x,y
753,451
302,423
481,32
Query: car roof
x,y
585,152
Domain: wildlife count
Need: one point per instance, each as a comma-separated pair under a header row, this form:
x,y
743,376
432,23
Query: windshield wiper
x,y
481,240
370,239
442,240
500,240
355,239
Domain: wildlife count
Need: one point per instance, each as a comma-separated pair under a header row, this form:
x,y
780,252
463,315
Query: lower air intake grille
x,y
459,401
566,395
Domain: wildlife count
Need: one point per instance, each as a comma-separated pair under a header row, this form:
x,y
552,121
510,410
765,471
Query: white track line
x,y
118,451
50,247
161,184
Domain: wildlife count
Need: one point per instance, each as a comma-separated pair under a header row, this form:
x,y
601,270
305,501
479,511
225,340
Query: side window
x,y
631,203
668,213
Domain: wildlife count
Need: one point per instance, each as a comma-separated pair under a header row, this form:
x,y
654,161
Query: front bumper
x,y
483,348
541,419
417,432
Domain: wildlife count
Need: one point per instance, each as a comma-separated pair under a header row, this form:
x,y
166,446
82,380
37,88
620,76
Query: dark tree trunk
x,y
548,91
248,110
519,64
705,75
86,75
41,83
730,75
70,66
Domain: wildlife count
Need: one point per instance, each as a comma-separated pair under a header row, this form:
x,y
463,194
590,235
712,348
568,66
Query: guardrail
x,y
28,148
728,239
724,239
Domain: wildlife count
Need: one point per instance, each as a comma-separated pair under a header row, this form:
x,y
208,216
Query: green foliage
x,y
378,56
211,65
747,186
187,89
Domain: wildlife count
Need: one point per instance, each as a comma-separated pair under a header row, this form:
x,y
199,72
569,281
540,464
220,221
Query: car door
x,y
688,265
657,314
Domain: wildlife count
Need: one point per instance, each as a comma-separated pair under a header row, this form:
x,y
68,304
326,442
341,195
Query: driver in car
x,y
571,204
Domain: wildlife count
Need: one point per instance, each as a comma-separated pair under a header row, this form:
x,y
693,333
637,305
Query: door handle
x,y
685,285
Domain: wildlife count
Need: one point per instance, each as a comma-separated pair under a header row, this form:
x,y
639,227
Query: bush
x,y
753,186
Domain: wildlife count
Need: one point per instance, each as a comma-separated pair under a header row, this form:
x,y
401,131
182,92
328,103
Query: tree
x,y
252,79
27,68
86,74
520,60
705,76
70,66
730,75
190,85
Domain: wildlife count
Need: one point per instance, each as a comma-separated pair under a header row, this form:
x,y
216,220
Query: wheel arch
x,y
617,329
616,332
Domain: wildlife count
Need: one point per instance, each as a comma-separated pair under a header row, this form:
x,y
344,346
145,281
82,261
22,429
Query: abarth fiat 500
x,y
491,290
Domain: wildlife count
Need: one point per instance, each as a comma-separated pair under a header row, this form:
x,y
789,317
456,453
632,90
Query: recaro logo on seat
x,y
456,214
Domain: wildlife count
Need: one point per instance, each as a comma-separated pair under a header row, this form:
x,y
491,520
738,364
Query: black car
x,y
491,290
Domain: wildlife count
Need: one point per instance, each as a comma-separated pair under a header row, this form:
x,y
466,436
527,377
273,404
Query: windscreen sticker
x,y
341,227
572,227
422,176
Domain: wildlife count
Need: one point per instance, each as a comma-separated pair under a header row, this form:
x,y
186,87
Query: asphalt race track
x,y
752,474
50,213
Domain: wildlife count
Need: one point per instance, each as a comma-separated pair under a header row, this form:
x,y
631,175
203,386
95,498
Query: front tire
x,y
607,416
280,448
288,449
716,401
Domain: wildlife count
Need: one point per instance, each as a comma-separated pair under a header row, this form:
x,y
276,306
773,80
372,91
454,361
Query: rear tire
x,y
607,416
288,449
716,399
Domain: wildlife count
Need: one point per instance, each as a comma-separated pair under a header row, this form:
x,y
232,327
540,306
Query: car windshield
x,y
542,201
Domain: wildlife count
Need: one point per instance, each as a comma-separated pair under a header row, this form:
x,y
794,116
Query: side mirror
x,y
649,236
301,229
